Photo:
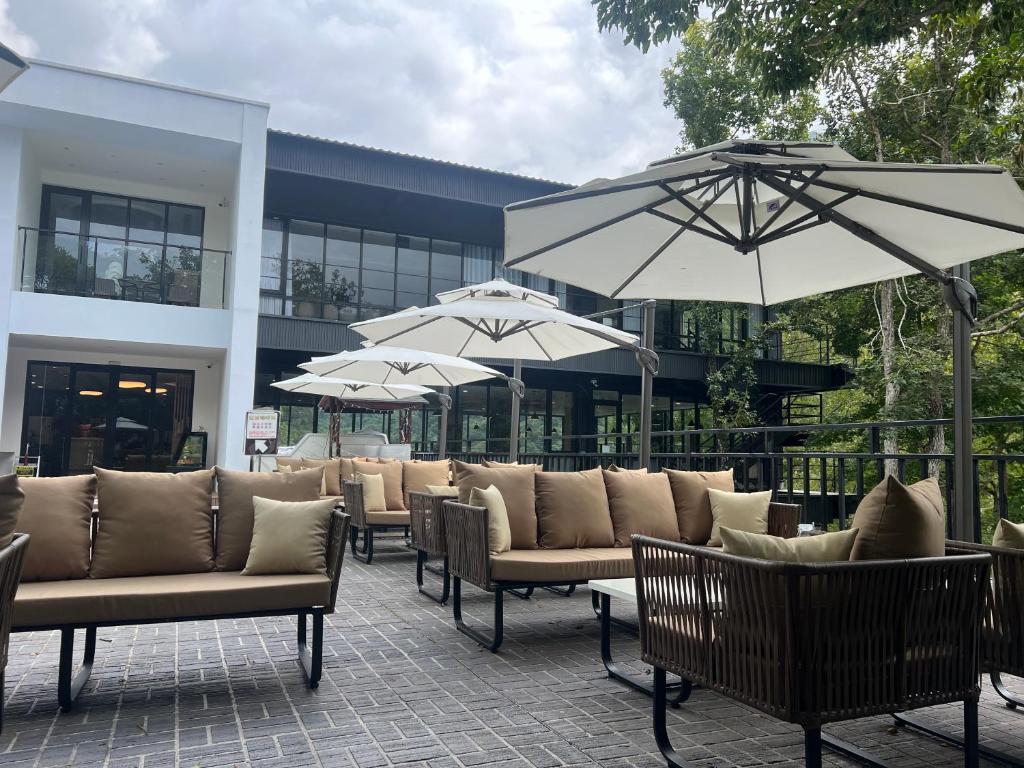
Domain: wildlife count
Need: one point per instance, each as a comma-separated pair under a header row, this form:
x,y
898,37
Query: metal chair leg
x,y
672,758
490,643
421,566
1012,702
69,683
564,592
970,744
312,660
366,556
812,747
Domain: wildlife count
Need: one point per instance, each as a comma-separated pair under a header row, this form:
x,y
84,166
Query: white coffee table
x,y
625,590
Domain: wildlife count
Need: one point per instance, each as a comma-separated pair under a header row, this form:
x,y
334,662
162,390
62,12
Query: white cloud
x,y
528,86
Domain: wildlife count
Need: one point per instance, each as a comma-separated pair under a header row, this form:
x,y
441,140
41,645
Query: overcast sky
x,y
527,86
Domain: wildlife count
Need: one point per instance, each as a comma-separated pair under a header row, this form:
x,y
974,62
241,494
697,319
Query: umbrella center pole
x,y
962,298
513,436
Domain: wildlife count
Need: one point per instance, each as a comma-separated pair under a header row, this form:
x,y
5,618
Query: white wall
x,y
11,152
205,398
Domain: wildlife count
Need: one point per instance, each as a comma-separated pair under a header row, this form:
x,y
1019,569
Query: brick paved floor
x,y
400,687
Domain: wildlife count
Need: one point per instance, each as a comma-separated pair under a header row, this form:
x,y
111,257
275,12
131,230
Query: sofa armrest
x,y
354,506
11,559
426,523
337,538
783,520
469,555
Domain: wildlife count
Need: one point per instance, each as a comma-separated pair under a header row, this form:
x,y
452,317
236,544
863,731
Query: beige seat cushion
x,y
640,503
388,517
417,475
332,474
11,499
1009,535
562,565
499,534
693,507
289,536
153,523
235,515
823,548
374,497
516,485
572,510
57,514
448,491
897,521
392,474
739,511
348,467
151,598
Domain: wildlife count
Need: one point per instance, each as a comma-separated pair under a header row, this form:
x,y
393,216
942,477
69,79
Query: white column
x,y
243,294
11,152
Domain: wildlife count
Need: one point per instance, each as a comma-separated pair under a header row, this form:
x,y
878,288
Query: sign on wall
x,y
261,432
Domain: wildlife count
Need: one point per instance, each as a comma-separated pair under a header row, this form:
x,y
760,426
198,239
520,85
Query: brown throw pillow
x,y
1009,535
292,464
391,471
693,508
235,515
898,521
11,498
57,515
289,536
516,485
332,474
153,523
640,503
824,548
572,510
417,475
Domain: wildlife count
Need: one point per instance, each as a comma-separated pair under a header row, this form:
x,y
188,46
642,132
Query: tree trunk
x,y
887,328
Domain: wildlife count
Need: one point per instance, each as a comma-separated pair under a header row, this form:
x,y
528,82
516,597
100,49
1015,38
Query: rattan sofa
x,y
522,570
150,580
812,644
11,558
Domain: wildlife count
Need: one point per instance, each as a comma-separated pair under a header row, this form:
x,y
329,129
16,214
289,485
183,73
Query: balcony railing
x,y
71,264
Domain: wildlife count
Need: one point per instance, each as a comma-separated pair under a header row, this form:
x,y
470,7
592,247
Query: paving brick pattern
x,y
401,687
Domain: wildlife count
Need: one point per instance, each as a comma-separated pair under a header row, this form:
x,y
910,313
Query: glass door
x,y
131,435
90,421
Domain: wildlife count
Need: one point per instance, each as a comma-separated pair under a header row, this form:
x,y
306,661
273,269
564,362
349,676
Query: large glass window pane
x,y
133,435
378,275
306,267
65,212
532,413
342,274
499,411
90,405
271,255
185,225
473,413
477,264
147,221
47,416
445,267
561,421
413,266
109,217
172,416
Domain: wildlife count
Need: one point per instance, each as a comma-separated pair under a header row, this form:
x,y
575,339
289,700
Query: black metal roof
x,y
341,161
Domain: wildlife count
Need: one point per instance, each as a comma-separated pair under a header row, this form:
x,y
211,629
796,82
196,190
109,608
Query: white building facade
x,y
130,228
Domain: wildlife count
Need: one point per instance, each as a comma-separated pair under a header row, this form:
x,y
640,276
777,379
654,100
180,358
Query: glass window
x,y
272,254
477,264
109,217
445,267
341,289
499,412
378,271
411,273
305,267
148,221
65,212
532,413
473,411
561,421
184,225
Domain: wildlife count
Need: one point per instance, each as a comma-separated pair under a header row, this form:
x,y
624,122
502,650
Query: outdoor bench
x,y
812,644
174,562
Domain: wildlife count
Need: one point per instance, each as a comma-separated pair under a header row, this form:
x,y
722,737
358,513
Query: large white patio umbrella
x,y
499,320
11,65
763,222
348,389
400,365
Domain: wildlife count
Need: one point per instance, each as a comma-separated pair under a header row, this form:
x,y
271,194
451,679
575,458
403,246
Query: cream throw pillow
x,y
289,536
1009,535
499,533
823,548
373,492
449,491
739,511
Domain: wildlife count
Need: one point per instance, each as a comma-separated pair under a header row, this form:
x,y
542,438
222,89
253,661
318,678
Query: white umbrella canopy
x,y
348,389
11,65
764,222
401,365
499,288
492,324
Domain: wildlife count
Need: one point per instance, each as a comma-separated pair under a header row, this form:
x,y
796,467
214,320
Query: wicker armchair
x,y
11,558
816,643
426,529
369,522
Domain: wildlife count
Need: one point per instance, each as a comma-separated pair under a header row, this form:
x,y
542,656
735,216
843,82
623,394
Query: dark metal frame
x,y
427,537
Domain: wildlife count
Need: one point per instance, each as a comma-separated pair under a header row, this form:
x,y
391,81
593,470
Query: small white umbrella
x,y
498,320
348,389
11,65
400,365
765,221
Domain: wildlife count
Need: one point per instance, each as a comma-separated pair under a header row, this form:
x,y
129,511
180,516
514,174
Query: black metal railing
x,y
53,261
825,468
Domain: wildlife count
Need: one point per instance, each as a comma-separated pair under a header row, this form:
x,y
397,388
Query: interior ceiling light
x,y
90,392
159,390
131,384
